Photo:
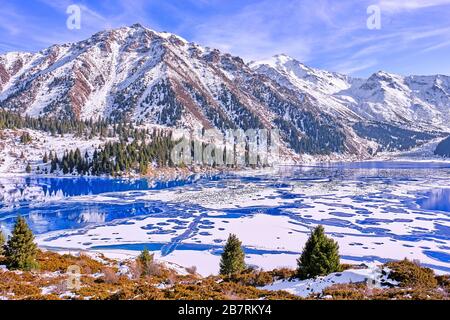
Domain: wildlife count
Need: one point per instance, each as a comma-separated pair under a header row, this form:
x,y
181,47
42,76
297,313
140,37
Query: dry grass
x,y
52,262
100,281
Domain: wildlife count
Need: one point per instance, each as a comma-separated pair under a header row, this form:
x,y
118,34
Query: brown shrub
x,y
346,291
52,262
408,294
411,275
137,291
444,282
19,285
110,275
48,297
283,274
260,278
135,270
192,270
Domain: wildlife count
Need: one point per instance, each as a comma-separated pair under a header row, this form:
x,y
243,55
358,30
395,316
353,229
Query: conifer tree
x,y
319,257
233,256
2,243
20,251
28,168
145,260
25,138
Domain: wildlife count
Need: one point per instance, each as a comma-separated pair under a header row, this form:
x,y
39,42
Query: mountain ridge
x,y
140,75
375,98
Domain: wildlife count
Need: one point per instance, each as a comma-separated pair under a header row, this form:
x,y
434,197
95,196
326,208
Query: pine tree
x,y
20,251
2,243
232,261
145,260
319,257
25,138
28,168
45,158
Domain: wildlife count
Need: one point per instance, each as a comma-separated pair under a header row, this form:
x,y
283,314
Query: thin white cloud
x,y
395,6
267,28
437,47
354,66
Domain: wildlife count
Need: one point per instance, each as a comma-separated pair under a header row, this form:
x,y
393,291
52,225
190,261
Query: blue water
x,y
62,215
78,186
76,212
438,199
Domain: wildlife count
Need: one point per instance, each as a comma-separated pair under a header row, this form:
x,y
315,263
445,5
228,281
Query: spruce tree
x,y
233,256
20,251
25,138
319,257
2,243
145,260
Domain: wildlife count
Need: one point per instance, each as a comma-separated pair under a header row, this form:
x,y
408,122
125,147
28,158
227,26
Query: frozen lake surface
x,y
377,211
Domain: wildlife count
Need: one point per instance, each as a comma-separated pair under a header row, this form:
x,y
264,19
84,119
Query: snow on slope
x,y
406,100
424,152
372,275
301,75
420,101
14,155
320,85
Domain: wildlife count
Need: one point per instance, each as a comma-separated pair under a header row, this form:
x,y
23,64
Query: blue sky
x,y
332,34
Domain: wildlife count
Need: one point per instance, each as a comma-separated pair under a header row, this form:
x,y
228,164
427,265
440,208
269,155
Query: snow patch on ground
x,y
373,276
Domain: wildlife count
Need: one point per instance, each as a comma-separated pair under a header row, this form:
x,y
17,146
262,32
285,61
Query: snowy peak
x,y
319,86
417,101
281,62
302,76
80,79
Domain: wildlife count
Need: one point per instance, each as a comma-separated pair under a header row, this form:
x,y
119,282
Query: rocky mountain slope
x,y
134,73
415,101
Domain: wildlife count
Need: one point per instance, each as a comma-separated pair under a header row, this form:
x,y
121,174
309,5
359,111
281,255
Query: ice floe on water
x,y
376,212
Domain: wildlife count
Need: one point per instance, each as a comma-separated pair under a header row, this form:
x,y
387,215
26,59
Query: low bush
x,y
444,283
346,292
410,274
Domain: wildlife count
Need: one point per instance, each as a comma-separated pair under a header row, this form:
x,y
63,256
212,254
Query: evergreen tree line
x,y
118,158
392,138
87,128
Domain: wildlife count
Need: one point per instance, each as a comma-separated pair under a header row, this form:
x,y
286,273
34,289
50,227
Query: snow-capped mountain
x,y
320,86
134,73
413,101
138,74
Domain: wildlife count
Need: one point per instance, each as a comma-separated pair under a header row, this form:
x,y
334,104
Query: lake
x,y
377,211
